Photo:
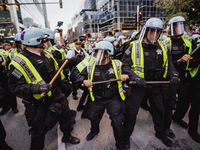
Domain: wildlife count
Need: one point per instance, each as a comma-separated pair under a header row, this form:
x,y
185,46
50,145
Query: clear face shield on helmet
x,y
48,44
150,35
101,56
179,28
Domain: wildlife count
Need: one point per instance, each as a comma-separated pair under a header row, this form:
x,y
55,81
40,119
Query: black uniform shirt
x,y
153,59
101,73
45,67
178,50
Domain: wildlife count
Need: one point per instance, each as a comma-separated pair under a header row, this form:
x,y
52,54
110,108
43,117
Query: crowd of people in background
x,y
119,74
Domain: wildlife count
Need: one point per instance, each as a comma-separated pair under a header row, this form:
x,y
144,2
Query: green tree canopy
x,y
189,9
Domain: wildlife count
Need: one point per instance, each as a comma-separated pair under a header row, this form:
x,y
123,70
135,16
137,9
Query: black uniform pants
x,y
83,97
74,89
45,119
3,143
7,98
195,107
169,104
133,103
115,110
183,100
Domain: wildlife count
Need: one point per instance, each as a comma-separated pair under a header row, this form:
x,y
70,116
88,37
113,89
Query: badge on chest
x,y
159,52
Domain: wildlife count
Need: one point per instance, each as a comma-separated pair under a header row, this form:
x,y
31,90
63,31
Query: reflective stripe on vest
x,y
31,75
29,72
71,45
84,63
61,51
3,54
137,56
117,69
47,54
193,71
85,46
12,54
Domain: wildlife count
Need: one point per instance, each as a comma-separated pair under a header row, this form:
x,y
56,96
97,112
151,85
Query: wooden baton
x,y
55,76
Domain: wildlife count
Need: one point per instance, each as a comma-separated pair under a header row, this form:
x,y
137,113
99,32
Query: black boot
x,y
195,135
84,114
80,107
15,110
181,123
70,139
75,97
164,139
91,135
170,133
4,110
127,144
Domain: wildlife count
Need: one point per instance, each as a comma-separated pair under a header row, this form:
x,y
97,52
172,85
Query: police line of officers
x,y
137,64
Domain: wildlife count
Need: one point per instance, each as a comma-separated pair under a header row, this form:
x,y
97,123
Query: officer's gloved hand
x,y
79,58
141,82
175,79
45,88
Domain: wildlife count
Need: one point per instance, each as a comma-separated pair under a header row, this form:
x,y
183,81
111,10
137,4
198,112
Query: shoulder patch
x,y
17,73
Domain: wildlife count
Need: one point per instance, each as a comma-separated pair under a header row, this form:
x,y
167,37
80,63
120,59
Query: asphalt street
x,y
143,137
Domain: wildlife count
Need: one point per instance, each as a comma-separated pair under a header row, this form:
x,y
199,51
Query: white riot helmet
x,y
33,37
177,26
109,39
18,37
102,52
51,37
151,31
122,38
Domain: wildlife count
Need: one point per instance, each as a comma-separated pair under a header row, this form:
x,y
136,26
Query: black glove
x,y
141,82
175,80
45,88
79,58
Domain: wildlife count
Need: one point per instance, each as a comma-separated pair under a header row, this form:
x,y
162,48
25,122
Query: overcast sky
x,y
55,13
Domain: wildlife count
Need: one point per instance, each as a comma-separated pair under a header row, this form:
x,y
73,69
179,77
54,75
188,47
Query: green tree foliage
x,y
189,9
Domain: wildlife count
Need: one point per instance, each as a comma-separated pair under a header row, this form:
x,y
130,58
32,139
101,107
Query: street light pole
x,y
138,7
14,18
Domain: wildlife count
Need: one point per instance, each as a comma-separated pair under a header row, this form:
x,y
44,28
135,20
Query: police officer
x,y
108,95
13,52
119,54
178,45
77,70
194,88
30,73
147,60
76,51
8,99
57,51
111,40
84,43
8,46
65,46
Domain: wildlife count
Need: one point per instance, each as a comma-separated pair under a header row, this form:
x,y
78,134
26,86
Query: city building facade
x,y
27,15
113,17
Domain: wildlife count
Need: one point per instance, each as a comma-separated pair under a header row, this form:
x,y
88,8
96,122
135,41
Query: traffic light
x,y
140,16
60,1
134,18
137,24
